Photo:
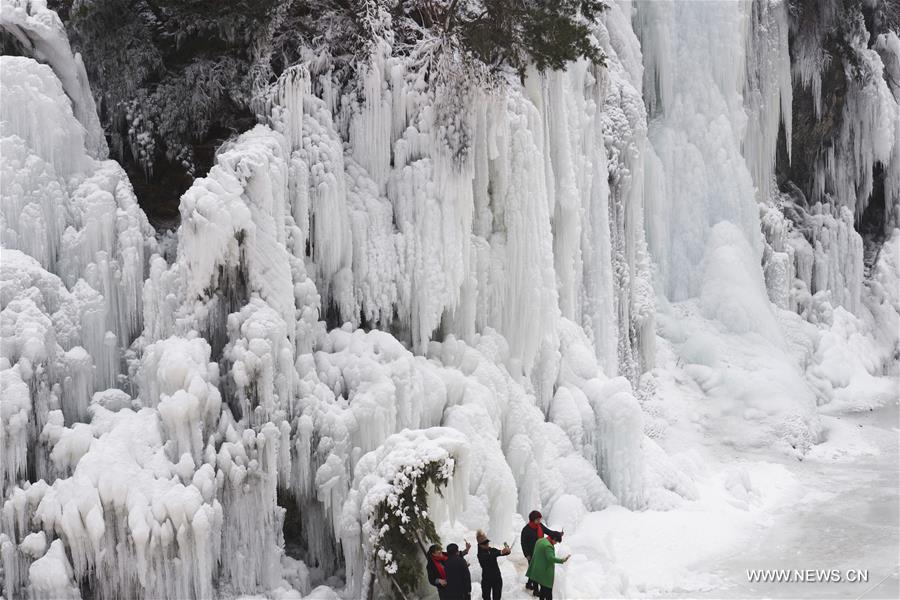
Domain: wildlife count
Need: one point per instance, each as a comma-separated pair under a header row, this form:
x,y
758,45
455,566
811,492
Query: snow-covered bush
x,y
503,33
389,521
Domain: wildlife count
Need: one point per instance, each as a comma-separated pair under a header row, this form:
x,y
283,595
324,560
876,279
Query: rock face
x,y
843,150
495,287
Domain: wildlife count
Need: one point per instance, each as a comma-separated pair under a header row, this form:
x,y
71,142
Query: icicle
x,y
78,386
32,98
370,127
285,103
15,406
619,439
867,136
696,137
767,91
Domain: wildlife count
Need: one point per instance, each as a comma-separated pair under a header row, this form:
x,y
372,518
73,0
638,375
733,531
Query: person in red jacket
x,y
531,533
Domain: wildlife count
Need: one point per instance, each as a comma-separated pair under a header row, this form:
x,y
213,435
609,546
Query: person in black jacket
x,y
436,568
531,533
459,580
491,579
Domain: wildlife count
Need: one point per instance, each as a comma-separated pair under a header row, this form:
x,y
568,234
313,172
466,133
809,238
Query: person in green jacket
x,y
543,564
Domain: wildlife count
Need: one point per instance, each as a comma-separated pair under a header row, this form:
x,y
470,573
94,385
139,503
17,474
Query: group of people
x,y
449,572
538,547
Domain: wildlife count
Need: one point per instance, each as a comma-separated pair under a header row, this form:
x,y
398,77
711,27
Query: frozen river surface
x,y
845,517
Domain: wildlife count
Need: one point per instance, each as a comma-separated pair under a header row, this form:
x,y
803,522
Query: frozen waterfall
x,y
510,289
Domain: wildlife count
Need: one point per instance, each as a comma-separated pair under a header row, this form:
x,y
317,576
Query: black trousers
x,y
491,589
546,593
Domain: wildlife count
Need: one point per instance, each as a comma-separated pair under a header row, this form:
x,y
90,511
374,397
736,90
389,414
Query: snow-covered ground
x,y
836,509
844,514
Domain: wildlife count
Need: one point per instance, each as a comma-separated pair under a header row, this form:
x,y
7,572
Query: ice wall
x,y
354,389
63,212
824,232
522,227
693,84
849,150
43,37
718,89
65,336
716,109
234,393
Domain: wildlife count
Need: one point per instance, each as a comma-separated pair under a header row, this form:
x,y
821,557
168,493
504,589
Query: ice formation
x,y
869,121
43,36
352,296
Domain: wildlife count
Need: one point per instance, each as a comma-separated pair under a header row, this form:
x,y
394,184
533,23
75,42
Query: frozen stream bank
x,y
845,517
837,509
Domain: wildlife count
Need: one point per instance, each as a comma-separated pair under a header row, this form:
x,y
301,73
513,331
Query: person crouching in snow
x,y
531,533
543,563
491,580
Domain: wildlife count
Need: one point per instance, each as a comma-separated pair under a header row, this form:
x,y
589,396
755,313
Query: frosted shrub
x,y
390,504
402,517
504,33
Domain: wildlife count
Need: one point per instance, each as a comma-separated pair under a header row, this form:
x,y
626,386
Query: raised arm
x,y
551,555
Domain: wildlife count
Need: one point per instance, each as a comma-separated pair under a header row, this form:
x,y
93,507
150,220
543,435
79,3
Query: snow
x,y
580,293
842,512
51,576
651,551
